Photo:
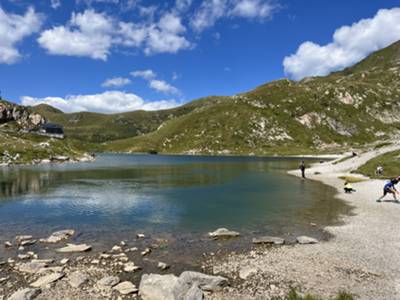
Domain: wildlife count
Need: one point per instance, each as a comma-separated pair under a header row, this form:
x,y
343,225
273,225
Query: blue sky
x,y
120,55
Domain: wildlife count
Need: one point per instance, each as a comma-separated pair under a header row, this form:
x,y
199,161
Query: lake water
x,y
166,195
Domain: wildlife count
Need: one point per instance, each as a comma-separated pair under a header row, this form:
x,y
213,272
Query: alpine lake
x,y
173,200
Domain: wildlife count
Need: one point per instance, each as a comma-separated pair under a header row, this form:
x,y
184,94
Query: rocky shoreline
x,y
80,273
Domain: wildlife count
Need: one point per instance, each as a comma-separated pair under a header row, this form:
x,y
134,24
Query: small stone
x,y
76,279
130,267
269,240
10,260
140,236
58,236
122,243
7,244
116,248
246,272
64,261
145,252
25,294
74,248
126,288
223,233
131,249
105,256
27,242
47,279
21,248
95,262
162,266
306,240
3,279
32,267
313,224
20,238
24,256
108,281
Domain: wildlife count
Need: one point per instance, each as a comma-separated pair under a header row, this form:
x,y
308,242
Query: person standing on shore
x,y
390,188
302,168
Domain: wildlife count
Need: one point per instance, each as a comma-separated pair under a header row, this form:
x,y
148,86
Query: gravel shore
x,y
362,258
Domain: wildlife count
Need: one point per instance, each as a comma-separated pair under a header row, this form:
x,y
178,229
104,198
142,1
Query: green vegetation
x,y
317,115
293,295
389,161
344,110
351,179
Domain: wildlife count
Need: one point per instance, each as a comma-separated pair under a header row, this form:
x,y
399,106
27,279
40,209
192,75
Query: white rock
x,y
25,294
140,236
20,238
145,252
64,261
47,279
247,271
223,233
27,242
7,244
74,248
58,236
162,266
126,288
116,248
306,240
76,279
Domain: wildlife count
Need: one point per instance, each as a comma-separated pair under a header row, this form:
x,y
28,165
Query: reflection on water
x,y
163,193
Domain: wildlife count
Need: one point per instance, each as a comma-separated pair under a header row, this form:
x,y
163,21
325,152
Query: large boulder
x,y
188,286
159,287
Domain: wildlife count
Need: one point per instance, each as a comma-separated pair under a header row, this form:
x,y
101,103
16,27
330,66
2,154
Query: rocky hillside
x,y
18,145
345,109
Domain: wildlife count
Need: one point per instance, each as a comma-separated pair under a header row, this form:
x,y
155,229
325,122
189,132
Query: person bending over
x,y
390,188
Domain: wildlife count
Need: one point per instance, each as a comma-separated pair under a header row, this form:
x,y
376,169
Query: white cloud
x,y
116,82
93,35
55,3
13,29
252,9
107,102
211,11
87,34
350,44
163,87
145,74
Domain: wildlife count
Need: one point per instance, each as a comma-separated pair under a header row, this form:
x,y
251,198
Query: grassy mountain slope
x,y
355,106
318,114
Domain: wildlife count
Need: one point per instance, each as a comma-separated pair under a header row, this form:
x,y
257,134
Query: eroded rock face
x,y
12,112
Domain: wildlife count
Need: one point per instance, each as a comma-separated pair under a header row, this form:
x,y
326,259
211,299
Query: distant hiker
x,y
348,188
390,188
379,170
302,168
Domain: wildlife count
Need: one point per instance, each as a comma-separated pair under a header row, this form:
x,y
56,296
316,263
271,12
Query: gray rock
x,y
74,248
108,281
306,240
47,279
76,279
159,287
194,293
223,233
204,281
58,236
7,244
269,240
247,271
126,288
25,294
130,267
